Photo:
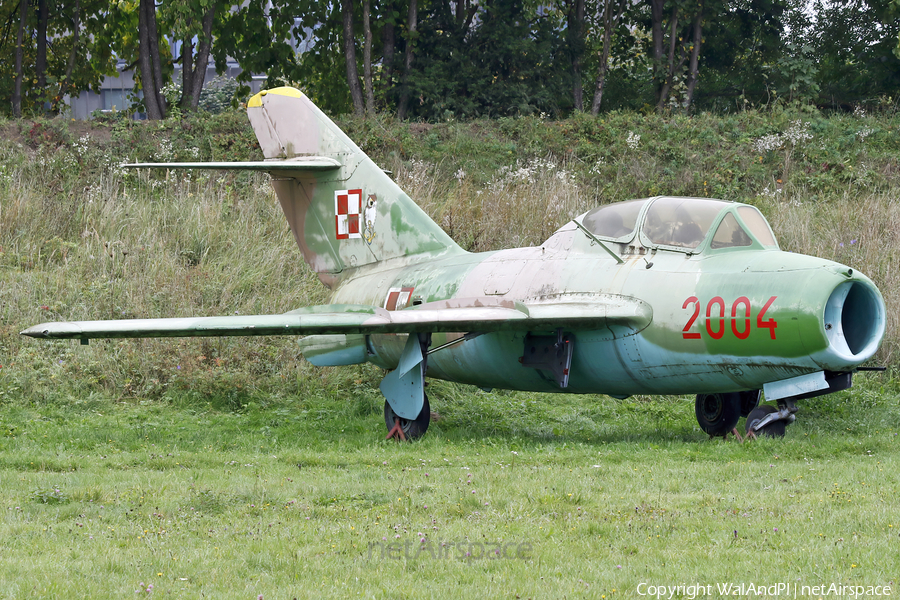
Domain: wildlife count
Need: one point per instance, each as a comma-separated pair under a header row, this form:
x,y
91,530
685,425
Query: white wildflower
x,y
798,132
634,140
767,143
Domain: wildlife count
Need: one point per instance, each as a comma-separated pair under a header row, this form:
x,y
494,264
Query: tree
x,y
411,35
502,60
190,21
367,58
674,44
609,18
741,51
854,42
20,60
356,92
149,61
575,30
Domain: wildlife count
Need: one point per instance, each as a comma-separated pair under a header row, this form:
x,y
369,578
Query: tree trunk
x,y
155,58
575,25
656,30
187,72
610,22
73,54
40,66
202,62
20,58
387,52
694,69
367,59
410,42
356,93
670,67
193,72
148,61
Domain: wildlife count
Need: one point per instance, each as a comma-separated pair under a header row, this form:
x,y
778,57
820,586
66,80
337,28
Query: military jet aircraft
x,y
661,295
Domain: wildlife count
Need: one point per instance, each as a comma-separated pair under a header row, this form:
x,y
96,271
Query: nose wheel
x,y
769,420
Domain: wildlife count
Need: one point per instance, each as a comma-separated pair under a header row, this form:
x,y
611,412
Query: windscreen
x,y
613,220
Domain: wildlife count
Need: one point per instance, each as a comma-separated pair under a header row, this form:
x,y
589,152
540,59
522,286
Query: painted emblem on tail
x,y
370,215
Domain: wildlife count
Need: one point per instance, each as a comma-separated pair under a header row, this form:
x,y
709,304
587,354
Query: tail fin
x,y
345,216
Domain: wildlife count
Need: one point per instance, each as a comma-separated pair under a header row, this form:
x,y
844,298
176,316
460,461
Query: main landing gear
x,y
407,429
718,414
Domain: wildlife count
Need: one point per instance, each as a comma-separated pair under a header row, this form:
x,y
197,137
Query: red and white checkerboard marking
x,y
398,298
348,207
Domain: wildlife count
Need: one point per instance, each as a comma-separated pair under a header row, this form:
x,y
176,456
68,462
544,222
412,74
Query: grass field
x,y
232,469
580,496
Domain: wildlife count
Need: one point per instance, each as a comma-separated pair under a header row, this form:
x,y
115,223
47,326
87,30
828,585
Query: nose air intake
x,y
854,321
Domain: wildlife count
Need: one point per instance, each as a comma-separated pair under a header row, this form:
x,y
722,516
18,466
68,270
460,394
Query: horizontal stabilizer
x,y
445,316
290,167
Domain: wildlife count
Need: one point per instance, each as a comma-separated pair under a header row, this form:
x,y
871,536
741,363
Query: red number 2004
x,y
715,318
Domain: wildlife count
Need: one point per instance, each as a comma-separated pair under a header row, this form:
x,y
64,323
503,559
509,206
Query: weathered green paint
x,y
663,295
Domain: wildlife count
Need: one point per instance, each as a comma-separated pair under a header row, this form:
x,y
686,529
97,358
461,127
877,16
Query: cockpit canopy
x,y
680,224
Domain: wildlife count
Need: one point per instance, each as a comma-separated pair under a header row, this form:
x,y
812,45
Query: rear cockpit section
x,y
692,225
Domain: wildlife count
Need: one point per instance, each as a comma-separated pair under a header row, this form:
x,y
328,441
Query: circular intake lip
x,y
854,324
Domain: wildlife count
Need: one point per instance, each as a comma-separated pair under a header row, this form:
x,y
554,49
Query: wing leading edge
x,y
623,314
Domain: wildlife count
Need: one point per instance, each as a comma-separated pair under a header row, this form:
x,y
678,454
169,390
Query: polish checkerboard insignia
x,y
348,209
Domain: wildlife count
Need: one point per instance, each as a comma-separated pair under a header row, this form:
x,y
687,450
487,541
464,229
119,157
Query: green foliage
x,y
52,495
218,94
510,64
91,55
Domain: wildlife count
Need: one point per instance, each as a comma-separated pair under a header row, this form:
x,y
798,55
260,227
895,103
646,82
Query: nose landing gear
x,y
769,420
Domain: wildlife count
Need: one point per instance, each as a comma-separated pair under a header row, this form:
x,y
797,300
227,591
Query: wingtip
x,y
37,331
47,331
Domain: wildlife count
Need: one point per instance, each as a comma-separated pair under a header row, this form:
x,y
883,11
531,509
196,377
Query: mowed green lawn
x,y
508,496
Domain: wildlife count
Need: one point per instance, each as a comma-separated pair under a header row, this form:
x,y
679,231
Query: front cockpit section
x,y
691,225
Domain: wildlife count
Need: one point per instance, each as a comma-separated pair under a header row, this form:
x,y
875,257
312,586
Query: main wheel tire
x,y
718,414
749,401
775,429
412,428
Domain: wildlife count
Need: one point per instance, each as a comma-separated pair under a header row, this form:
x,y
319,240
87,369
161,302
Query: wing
x,y
619,315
